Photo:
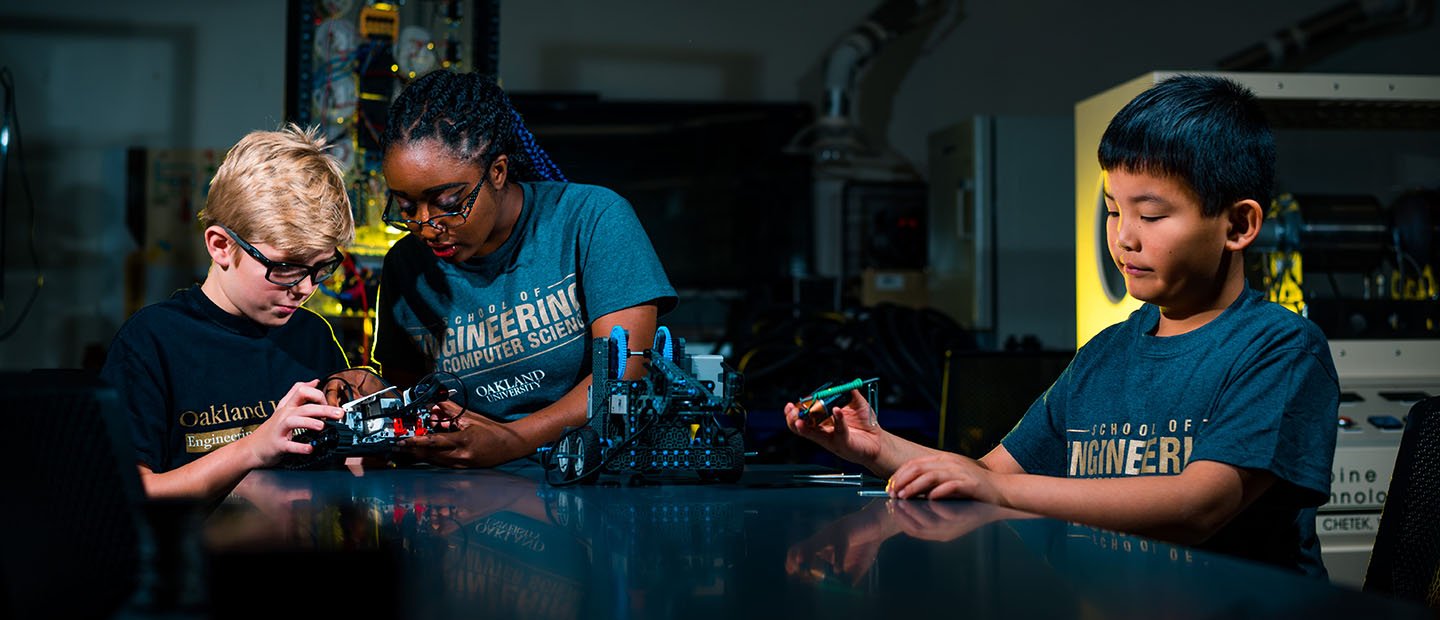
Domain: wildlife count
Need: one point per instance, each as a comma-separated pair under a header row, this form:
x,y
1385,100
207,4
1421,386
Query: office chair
x,y
1406,560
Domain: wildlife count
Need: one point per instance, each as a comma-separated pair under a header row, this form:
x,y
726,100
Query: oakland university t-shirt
x,y
194,378
514,325
1254,388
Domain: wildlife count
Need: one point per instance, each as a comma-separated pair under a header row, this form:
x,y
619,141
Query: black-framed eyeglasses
x,y
289,274
443,222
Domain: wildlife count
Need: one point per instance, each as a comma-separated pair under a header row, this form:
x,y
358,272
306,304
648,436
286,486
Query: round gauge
x,y
335,39
415,52
334,102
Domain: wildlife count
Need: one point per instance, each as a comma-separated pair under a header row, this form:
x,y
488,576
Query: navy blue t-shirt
x,y
194,378
514,325
1254,388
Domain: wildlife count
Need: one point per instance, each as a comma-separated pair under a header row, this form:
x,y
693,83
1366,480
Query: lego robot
x,y
373,423
679,421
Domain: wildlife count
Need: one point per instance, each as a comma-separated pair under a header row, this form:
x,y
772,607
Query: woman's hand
x,y
472,440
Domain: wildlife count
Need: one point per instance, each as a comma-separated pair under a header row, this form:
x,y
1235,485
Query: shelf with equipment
x,y
346,60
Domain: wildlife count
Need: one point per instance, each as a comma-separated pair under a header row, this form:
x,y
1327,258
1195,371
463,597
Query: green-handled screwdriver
x,y
828,396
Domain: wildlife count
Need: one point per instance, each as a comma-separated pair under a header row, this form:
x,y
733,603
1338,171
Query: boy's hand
x,y
303,407
944,475
850,432
477,441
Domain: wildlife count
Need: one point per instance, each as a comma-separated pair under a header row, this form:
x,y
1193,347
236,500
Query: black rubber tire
x,y
584,466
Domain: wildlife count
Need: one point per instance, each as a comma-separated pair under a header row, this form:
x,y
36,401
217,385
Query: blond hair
x,y
283,189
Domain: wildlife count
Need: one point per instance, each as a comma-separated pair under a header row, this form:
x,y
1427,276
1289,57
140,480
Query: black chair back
x,y
72,498
1406,560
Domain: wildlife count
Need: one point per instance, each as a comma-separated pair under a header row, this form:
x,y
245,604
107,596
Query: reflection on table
x,y
499,543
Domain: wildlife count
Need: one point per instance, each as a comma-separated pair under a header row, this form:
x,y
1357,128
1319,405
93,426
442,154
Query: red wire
x,y
349,264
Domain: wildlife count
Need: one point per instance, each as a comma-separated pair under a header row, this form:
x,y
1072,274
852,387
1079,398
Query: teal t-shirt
x,y
514,325
1254,388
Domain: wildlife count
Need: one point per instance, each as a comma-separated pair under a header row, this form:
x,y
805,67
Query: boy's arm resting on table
x,y
1187,508
215,474
1000,461
482,442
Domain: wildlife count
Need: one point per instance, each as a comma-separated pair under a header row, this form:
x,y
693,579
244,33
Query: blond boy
x,y
218,377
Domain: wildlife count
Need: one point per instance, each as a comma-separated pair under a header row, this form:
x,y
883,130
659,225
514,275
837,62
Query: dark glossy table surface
x,y
501,543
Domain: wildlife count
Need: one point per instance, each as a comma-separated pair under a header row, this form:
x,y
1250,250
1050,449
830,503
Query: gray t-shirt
x,y
1254,388
514,325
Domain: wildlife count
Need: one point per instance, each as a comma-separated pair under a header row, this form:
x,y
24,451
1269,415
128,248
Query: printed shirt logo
x,y
1128,449
222,414
511,386
207,442
488,339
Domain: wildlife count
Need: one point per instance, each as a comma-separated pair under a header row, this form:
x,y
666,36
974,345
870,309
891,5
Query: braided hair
x,y
472,117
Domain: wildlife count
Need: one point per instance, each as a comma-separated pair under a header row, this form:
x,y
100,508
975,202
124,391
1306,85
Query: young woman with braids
x,y
506,275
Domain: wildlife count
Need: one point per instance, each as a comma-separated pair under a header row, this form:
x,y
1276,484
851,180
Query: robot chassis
x,y
679,422
372,424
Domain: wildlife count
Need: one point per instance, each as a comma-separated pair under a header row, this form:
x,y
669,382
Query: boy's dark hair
x,y
1207,131
471,116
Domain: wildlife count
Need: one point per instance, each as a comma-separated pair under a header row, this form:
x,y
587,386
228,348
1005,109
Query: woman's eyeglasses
x,y
443,222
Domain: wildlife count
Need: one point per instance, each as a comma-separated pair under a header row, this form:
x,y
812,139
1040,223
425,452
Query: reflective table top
x,y
426,543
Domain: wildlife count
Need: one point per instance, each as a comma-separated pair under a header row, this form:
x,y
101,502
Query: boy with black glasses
x,y
218,377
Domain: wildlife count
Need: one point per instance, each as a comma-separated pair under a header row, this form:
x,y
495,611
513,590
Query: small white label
x,y
1348,524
